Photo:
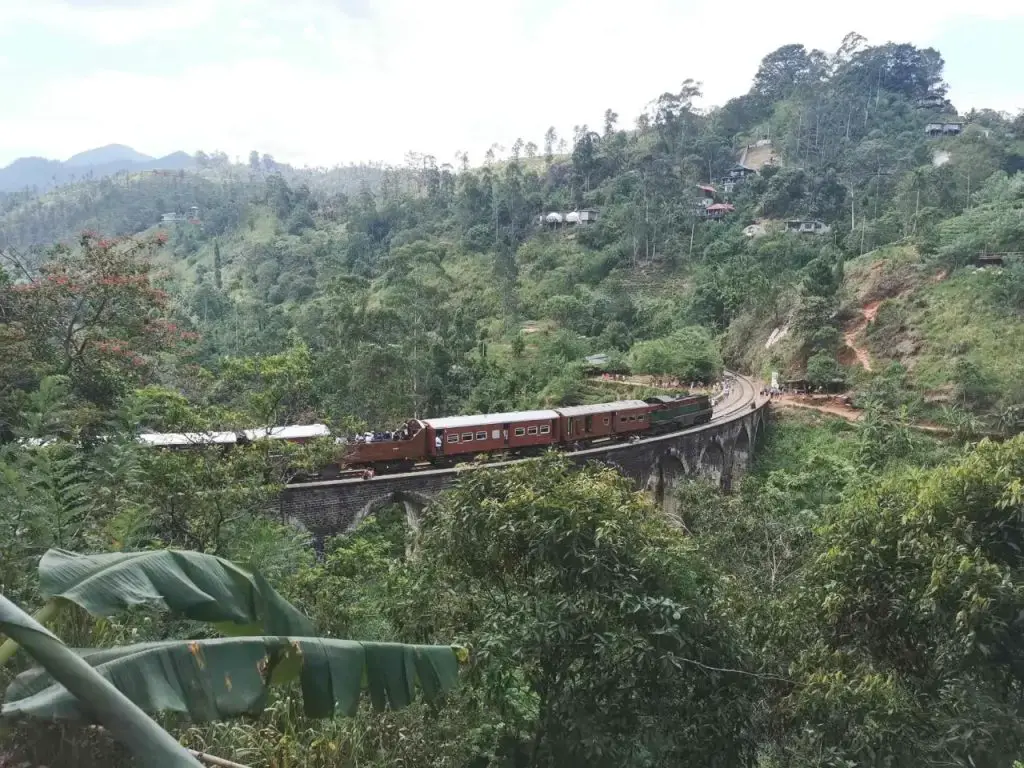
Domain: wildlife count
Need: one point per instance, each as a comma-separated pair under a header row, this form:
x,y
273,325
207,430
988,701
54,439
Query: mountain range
x,y
44,173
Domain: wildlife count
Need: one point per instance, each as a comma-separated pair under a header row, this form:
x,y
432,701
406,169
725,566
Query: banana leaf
x,y
195,585
93,695
228,677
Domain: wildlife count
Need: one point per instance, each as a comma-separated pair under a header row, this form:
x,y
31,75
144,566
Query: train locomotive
x,y
449,440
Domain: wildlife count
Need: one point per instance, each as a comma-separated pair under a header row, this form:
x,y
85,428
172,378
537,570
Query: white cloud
x,y
322,81
109,23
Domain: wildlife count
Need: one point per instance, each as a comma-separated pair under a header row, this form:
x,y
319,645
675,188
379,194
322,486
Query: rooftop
x,y
486,419
618,405
294,432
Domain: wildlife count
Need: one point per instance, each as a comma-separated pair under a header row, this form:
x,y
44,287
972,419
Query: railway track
x,y
741,397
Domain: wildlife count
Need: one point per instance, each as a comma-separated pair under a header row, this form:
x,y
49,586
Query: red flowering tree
x,y
91,313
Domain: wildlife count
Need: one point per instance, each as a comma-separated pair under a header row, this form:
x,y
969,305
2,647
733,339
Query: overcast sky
x,y
320,82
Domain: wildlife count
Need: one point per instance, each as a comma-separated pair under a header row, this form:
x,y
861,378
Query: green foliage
x,y
823,370
914,598
689,354
574,596
365,296
103,701
197,586
228,677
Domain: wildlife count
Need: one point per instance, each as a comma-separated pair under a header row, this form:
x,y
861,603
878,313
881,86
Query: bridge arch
x,y
712,461
413,502
671,470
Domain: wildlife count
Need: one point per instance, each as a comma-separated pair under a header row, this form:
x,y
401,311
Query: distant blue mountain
x,y
43,174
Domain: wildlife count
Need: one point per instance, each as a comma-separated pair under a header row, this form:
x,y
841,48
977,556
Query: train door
x,y
588,425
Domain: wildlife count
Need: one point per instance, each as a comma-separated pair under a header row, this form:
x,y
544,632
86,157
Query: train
x,y
451,439
448,440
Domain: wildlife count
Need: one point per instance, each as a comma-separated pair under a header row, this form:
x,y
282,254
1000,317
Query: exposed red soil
x,y
854,329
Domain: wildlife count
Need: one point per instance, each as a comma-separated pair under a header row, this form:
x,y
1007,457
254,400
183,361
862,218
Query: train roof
x,y
666,399
188,438
618,405
458,422
294,432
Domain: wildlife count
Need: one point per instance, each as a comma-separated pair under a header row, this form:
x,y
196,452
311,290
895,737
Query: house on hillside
x,y
717,211
739,172
734,177
555,219
952,128
583,216
808,227
180,218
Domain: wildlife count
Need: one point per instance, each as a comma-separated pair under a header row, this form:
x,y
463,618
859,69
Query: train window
x,y
467,437
545,429
606,420
495,434
520,431
481,435
453,438
640,417
531,430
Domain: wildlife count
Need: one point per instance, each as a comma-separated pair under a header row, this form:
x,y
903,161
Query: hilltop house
x,y
177,218
808,227
717,211
554,219
944,129
735,176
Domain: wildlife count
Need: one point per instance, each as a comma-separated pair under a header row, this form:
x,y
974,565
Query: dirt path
x,y
867,314
835,408
832,408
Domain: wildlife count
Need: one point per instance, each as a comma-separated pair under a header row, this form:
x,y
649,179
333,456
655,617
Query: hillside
x,y
855,599
275,251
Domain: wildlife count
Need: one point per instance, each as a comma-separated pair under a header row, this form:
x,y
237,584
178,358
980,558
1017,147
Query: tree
x,y
577,596
784,70
254,160
224,677
912,610
610,119
689,354
217,277
550,139
104,702
823,370
93,315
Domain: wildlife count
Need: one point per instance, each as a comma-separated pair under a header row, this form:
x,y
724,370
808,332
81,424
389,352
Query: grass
x,y
952,321
795,438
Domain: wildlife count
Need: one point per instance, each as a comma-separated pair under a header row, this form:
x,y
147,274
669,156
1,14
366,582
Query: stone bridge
x,y
720,450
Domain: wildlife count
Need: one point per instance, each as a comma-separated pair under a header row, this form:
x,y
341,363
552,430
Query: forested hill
x,y
855,599
442,276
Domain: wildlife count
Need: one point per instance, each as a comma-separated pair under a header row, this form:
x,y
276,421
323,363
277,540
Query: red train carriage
x,y
582,423
400,452
519,431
